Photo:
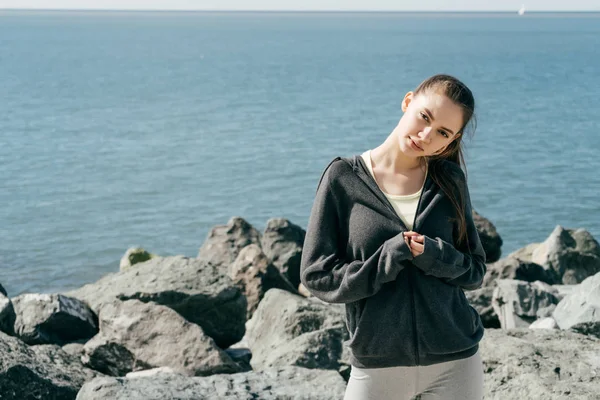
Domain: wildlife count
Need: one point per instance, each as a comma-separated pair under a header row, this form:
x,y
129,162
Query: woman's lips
x,y
414,145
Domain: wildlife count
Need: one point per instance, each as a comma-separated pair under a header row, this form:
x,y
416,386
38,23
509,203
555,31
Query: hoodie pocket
x,y
446,321
384,328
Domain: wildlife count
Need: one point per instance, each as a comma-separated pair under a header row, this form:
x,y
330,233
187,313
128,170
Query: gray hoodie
x,y
400,310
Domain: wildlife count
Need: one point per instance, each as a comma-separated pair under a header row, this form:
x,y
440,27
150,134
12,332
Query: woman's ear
x,y
406,101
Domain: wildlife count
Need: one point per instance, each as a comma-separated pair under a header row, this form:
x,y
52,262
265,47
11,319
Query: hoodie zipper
x,y
412,293
411,273
412,278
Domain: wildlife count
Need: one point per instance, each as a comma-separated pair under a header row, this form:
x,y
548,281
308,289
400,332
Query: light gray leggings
x,y
453,380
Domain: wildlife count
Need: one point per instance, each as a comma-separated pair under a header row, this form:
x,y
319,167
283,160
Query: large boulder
x,y
289,329
196,289
224,242
490,239
42,372
254,274
284,383
517,302
282,242
7,313
540,364
569,255
52,319
516,268
156,336
580,310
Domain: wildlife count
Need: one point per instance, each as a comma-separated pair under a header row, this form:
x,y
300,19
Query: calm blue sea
x,y
126,129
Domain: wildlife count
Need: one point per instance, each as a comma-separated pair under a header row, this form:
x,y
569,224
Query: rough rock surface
x,y
196,289
254,274
490,239
7,313
42,372
580,310
224,242
515,268
156,336
282,242
289,329
516,302
540,364
52,319
570,255
285,383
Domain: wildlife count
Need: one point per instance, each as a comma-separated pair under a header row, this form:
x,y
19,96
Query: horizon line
x,y
297,11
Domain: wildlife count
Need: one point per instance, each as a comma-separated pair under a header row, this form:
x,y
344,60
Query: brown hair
x,y
460,94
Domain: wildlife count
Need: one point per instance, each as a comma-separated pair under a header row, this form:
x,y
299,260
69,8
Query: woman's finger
x,y
419,239
411,234
416,245
416,248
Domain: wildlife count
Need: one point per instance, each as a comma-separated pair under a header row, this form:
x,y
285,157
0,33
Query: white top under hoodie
x,y
405,205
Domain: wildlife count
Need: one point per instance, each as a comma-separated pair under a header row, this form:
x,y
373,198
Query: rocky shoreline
x,y
235,323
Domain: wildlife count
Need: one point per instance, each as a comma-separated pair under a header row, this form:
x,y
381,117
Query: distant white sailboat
x,y
522,9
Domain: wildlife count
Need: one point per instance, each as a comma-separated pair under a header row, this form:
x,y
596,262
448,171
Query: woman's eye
x,y
424,116
444,134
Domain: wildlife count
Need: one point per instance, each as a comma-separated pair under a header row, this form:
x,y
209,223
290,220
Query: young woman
x,y
391,235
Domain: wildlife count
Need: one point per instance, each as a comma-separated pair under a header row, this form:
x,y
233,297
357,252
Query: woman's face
x,y
431,122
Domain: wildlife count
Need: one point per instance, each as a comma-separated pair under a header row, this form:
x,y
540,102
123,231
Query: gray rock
x,y
110,358
481,300
241,356
570,255
524,253
544,312
39,372
196,289
7,314
153,372
134,255
52,319
254,274
516,302
289,329
580,310
544,323
564,290
282,242
285,383
149,336
74,349
514,268
490,239
540,364
224,242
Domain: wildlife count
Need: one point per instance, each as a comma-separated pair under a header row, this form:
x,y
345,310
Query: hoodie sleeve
x,y
326,273
463,267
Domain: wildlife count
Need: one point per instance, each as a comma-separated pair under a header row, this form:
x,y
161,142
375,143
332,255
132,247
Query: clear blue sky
x,y
400,5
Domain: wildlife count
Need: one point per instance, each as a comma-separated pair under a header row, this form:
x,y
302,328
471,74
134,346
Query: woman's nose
x,y
426,134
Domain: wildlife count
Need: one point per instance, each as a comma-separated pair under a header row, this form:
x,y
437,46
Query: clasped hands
x,y
415,242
